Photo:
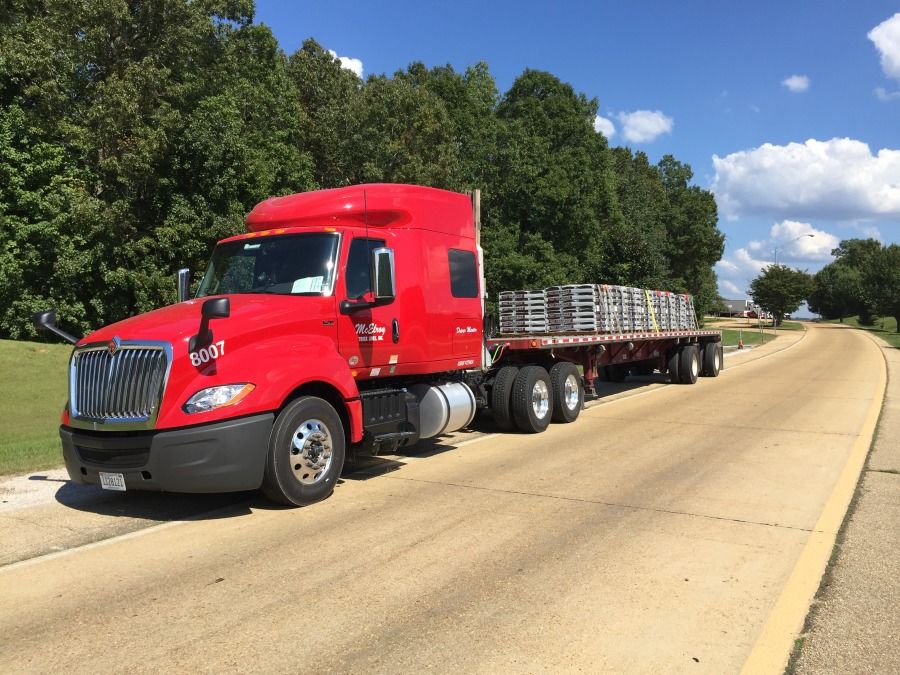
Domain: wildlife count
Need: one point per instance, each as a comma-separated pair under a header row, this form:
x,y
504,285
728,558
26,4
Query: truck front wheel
x,y
306,453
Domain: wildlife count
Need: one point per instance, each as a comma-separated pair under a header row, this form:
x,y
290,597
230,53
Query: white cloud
x,y
794,243
836,179
883,94
644,126
604,126
886,38
796,83
348,63
737,269
732,290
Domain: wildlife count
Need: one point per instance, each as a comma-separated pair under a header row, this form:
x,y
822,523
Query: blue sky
x,y
706,79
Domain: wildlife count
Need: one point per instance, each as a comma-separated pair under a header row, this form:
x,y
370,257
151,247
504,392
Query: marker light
x,y
217,397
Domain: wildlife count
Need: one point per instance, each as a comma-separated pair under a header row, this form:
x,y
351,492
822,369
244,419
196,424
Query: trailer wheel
x,y
306,453
532,402
674,367
689,364
712,360
568,392
501,393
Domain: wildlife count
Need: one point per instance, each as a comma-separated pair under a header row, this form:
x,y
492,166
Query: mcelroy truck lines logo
x,y
370,332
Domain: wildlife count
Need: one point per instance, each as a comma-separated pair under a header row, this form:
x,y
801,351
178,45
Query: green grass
x,y
31,400
885,328
751,337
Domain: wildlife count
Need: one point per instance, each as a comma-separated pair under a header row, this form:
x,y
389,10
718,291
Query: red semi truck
x,y
345,320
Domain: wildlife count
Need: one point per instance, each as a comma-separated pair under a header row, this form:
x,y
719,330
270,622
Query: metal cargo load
x,y
595,308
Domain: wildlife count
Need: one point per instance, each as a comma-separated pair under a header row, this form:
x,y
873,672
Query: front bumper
x,y
226,456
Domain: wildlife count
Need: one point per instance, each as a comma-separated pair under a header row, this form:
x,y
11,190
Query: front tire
x,y
306,453
532,403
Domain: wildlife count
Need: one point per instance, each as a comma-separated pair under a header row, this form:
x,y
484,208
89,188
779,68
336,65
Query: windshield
x,y
296,264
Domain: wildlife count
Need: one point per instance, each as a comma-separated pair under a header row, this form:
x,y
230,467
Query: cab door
x,y
369,338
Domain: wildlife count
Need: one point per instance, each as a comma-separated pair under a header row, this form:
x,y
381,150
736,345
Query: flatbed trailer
x,y
684,355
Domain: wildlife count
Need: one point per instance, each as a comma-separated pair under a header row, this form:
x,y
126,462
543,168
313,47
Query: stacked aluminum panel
x,y
573,308
523,312
593,308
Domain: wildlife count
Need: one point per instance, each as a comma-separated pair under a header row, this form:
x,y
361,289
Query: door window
x,y
359,266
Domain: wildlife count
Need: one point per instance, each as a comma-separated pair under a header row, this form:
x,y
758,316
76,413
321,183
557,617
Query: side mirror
x,y
47,321
216,308
383,275
184,284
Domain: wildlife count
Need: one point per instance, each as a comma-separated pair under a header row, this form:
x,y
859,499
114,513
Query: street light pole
x,y
775,262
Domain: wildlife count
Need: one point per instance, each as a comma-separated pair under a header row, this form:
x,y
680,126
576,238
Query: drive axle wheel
x,y
501,393
306,453
568,392
532,404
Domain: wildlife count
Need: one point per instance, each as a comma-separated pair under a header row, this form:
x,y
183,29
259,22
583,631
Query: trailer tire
x,y
306,453
568,392
712,359
673,366
689,364
501,394
532,400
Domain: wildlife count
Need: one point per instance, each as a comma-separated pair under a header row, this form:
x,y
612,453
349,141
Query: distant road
x,y
654,535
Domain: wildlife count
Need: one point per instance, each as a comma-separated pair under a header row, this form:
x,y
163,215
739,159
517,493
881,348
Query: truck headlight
x,y
217,397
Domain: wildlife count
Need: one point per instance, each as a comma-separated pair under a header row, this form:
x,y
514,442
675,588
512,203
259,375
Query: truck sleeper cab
x,y
341,318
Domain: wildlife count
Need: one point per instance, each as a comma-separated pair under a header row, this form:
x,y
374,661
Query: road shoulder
x,y
853,623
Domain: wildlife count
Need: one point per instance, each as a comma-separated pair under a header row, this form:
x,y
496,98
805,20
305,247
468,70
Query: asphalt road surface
x,y
656,534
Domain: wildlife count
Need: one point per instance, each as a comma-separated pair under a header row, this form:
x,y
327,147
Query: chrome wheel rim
x,y
540,399
311,452
695,365
717,360
571,392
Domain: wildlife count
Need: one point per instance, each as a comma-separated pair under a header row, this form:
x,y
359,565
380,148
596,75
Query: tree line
x,y
133,135
863,280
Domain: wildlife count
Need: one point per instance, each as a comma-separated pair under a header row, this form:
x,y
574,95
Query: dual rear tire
x,y
528,398
688,362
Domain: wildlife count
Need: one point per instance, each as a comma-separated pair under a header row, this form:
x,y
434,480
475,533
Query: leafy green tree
x,y
881,280
836,293
133,136
695,241
328,94
780,290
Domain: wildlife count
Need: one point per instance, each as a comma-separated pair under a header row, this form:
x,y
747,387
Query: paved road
x,y
655,535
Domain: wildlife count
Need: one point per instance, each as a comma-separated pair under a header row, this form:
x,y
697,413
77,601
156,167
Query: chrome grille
x,y
126,385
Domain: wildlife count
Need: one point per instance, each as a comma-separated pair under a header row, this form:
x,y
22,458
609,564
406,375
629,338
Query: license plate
x,y
112,481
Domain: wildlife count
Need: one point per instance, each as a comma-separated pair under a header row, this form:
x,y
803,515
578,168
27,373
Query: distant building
x,y
744,308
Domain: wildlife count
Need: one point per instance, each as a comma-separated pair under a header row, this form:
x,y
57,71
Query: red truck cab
x,y
343,317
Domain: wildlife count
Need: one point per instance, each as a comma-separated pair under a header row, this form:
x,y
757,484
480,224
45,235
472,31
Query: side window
x,y
359,260
463,274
